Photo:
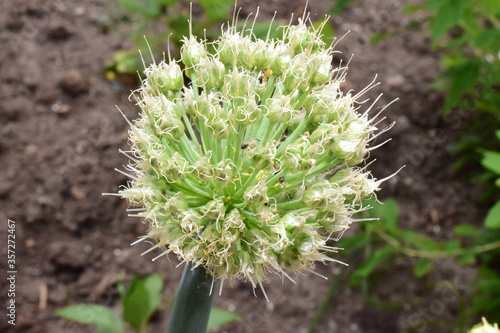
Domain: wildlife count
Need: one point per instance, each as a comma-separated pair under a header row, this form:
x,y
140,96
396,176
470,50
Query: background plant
x,y
156,21
139,301
465,34
379,245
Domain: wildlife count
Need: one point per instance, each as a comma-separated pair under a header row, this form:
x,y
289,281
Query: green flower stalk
x,y
251,166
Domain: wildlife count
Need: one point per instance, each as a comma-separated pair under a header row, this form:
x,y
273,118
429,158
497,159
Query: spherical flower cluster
x,y
250,166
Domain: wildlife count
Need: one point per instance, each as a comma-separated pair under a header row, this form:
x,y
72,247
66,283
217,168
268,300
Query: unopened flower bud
x,y
192,52
299,73
164,77
279,109
209,73
322,68
262,54
238,84
282,60
299,37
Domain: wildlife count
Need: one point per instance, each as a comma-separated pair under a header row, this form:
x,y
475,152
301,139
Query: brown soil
x,y
59,139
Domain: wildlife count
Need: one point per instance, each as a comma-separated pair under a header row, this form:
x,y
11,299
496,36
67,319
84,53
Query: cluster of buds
x,y
252,166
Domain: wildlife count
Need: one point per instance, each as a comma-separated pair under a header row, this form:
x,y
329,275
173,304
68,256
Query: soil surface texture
x,y
60,133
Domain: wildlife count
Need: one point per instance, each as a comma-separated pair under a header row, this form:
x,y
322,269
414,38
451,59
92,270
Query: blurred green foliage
x,y
339,6
467,34
139,301
491,161
151,23
381,244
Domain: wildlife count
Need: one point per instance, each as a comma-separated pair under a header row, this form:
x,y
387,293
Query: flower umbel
x,y
251,167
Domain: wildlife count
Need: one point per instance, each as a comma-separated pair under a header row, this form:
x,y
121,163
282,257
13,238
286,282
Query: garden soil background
x,y
60,133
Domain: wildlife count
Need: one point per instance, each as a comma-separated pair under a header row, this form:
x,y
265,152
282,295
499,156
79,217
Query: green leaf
x,y
167,2
497,134
339,6
105,320
491,161
179,26
216,10
446,17
387,212
378,37
126,62
435,5
147,8
261,29
451,246
463,78
467,257
487,40
489,7
422,242
141,300
422,267
371,263
466,230
355,242
219,317
327,31
489,280
493,218
411,9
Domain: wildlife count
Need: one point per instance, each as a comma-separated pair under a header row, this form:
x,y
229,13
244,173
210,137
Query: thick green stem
x,y
193,303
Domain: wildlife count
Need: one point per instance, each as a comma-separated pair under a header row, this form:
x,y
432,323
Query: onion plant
x,y
247,159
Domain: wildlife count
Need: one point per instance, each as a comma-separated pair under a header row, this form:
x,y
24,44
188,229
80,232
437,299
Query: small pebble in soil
x,y
396,80
74,83
77,193
79,11
30,243
60,108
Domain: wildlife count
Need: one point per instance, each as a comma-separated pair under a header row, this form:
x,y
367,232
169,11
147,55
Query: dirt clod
x,y
69,256
58,33
74,83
